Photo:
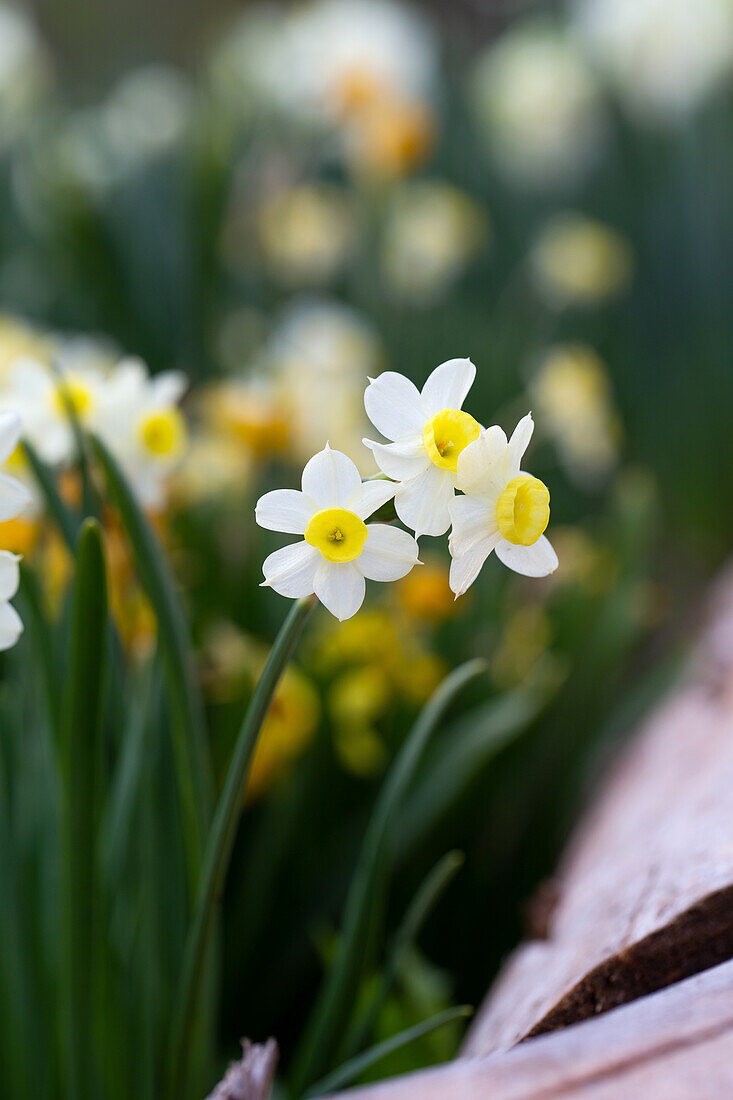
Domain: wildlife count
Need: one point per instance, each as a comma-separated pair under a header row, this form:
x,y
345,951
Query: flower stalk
x,y
220,843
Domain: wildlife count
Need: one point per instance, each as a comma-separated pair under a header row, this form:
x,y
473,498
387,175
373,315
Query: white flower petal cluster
x,y
136,415
339,550
435,449
501,509
423,462
13,499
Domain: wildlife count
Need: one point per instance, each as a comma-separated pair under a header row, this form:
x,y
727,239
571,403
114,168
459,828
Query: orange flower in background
x,y
425,594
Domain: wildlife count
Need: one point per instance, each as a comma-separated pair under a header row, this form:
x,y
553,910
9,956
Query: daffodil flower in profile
x,y
338,550
502,509
13,498
429,431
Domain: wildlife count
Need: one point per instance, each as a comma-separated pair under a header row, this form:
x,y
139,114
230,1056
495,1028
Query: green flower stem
x,y
346,1073
187,717
220,843
367,888
66,520
82,752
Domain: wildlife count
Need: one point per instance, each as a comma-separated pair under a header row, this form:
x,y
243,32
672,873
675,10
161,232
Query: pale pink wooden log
x,y
645,896
676,1044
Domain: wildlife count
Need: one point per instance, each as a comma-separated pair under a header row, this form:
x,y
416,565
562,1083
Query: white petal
x,y
448,386
9,575
389,553
466,567
537,560
168,388
14,497
285,510
392,403
340,587
481,464
11,429
472,521
371,495
423,503
402,460
517,446
11,626
330,478
291,570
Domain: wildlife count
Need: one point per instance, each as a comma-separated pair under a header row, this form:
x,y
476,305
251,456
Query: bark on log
x,y
676,1044
645,897
251,1078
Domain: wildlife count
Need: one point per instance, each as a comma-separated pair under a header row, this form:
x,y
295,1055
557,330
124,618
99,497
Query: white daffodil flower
x,y
13,498
339,550
503,509
143,426
41,396
429,431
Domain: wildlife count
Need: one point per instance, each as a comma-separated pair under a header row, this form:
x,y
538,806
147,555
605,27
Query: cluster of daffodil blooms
x,y
48,388
134,414
435,449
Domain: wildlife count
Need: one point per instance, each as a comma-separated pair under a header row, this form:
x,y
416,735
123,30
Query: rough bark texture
x,y
674,1045
251,1078
645,897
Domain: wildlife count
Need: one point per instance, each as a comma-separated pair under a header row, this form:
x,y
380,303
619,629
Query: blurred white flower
x,y
362,70
13,499
339,550
317,358
579,261
663,56
502,509
432,233
41,395
572,391
141,423
24,69
538,104
429,431
144,117
339,56
306,233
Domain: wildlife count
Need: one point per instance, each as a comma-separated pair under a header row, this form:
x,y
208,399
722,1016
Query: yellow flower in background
x,y
250,412
390,139
360,750
572,393
419,676
287,730
579,261
433,231
425,596
233,662
130,608
371,637
359,695
306,233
